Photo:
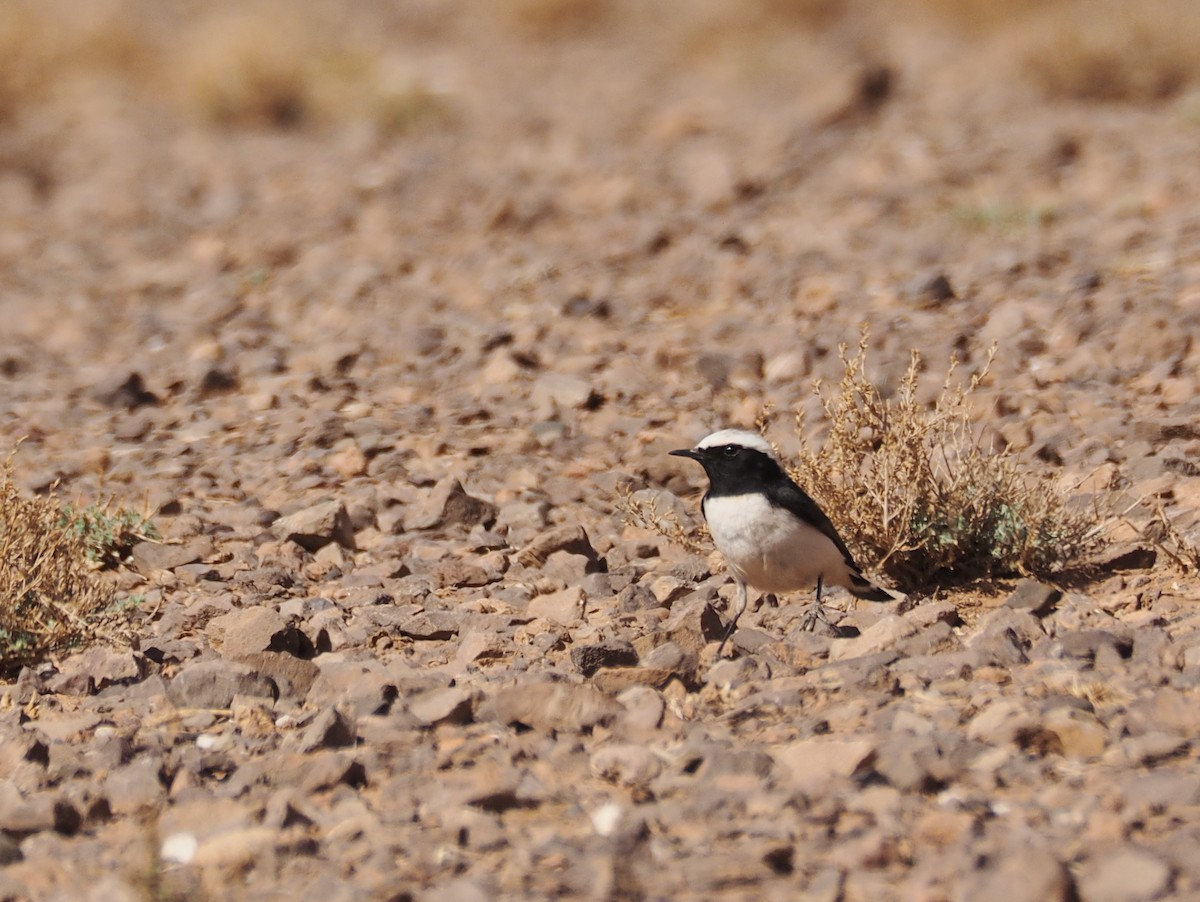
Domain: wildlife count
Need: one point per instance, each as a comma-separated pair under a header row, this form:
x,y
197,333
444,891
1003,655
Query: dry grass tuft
x,y
1113,50
49,591
919,497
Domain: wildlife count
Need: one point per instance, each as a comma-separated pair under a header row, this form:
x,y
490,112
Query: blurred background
x,y
719,191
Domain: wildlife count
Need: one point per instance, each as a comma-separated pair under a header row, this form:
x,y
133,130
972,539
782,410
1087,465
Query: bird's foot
x,y
816,614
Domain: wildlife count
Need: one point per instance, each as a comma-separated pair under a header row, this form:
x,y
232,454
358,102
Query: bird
x,y
773,536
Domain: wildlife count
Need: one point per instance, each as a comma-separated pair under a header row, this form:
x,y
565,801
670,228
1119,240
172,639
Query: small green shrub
x,y
107,537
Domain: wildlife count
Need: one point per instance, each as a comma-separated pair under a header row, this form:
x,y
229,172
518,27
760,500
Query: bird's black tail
x,y
861,587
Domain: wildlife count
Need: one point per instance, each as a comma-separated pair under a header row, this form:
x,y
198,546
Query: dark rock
x,y
613,653
1037,598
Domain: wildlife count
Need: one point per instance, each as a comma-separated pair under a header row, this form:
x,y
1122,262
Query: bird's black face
x,y
733,467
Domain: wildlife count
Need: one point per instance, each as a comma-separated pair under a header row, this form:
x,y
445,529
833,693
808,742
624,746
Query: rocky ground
x,y
383,385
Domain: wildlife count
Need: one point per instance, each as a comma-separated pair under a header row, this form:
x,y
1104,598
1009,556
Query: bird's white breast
x,y
769,547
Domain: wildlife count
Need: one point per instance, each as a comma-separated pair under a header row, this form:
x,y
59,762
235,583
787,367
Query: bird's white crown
x,y
737,437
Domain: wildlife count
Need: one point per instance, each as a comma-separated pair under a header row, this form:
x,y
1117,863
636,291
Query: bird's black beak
x,y
687,452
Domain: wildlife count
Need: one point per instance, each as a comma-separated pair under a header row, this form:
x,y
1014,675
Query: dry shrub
x,y
49,591
46,44
661,512
265,64
918,495
1115,50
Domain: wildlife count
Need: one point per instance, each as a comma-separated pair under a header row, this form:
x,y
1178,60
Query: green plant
x,y
107,537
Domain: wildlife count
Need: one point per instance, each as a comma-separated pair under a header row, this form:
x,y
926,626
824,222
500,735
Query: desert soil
x,y
383,388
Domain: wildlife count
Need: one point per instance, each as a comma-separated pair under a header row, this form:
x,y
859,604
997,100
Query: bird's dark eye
x,y
731,450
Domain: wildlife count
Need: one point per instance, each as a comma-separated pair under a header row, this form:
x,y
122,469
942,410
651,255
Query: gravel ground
x,y
382,387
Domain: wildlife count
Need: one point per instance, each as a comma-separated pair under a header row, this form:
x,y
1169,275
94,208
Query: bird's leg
x,y
815,613
737,612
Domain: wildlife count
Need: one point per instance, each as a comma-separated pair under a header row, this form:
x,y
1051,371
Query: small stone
x,y
1037,598
564,606
213,684
179,848
815,762
644,709
151,556
102,667
315,527
448,504
449,705
247,631
136,786
38,813
554,707
1124,875
1074,733
613,653
556,393
1037,873
625,764
329,730
432,626
1002,722
571,538
880,636
10,850
292,676
666,589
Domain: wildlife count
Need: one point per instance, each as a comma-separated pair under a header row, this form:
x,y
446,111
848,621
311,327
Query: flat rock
x,y
137,786
554,707
448,504
432,626
564,606
151,556
247,631
571,538
312,528
449,705
814,763
1124,875
213,684
292,676
881,635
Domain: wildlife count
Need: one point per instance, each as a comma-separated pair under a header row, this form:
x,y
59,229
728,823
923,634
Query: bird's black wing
x,y
786,494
